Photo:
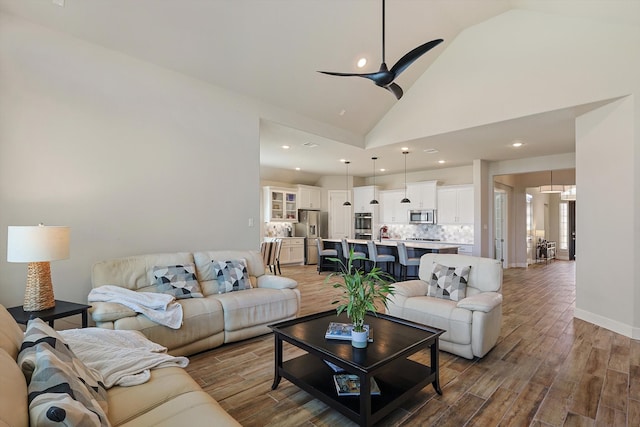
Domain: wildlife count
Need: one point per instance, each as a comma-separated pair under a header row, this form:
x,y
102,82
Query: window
x,y
563,241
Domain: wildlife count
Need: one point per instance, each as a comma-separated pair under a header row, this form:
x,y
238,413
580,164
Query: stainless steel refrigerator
x,y
309,226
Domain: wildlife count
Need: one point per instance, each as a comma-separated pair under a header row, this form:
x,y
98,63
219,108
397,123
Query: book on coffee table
x,y
342,331
349,385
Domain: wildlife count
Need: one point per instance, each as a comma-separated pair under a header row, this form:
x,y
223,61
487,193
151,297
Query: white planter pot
x,y
359,339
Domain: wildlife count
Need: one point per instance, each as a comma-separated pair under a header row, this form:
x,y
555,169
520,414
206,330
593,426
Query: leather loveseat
x,y
208,322
170,398
472,324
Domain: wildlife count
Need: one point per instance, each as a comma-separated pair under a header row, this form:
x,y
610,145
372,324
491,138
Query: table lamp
x,y
38,245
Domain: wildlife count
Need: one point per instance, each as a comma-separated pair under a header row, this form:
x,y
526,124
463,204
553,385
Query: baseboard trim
x,y
610,324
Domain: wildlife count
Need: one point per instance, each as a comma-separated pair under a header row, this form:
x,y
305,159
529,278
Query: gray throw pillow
x,y
448,282
178,280
231,275
62,390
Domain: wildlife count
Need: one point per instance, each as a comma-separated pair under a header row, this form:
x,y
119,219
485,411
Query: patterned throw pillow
x,y
62,390
448,282
231,275
178,280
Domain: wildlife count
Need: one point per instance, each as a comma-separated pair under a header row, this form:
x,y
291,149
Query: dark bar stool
x,y
323,254
405,261
345,252
375,258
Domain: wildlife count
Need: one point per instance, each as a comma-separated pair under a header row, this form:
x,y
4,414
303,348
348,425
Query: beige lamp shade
x,y
38,245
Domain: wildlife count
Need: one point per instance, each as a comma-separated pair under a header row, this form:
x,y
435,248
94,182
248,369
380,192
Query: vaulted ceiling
x,y
270,50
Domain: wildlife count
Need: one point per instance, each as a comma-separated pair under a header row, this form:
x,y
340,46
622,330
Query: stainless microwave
x,y
422,216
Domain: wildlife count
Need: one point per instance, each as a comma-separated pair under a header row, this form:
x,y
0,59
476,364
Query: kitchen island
x,y
415,248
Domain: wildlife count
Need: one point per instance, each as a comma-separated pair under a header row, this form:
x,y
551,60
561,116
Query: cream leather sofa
x,y
207,322
171,398
472,324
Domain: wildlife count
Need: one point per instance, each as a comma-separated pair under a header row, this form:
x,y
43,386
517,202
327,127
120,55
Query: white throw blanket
x,y
123,358
160,308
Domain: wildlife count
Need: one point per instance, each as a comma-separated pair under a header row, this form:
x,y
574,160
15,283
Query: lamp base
x,y
39,293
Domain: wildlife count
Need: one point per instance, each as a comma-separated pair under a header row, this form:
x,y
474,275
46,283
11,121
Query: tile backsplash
x,y
446,233
278,229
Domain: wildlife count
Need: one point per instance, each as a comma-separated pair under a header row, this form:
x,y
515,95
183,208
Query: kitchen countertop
x,y
408,243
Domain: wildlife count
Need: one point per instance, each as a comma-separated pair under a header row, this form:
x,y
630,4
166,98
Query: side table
x,y
61,309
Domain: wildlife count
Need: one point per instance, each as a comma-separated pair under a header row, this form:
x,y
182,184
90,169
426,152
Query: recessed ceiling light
x,y
297,169
442,162
517,143
405,148
430,150
361,62
382,169
286,147
343,160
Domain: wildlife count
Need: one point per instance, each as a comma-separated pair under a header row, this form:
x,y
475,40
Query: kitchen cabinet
x,y
308,197
455,205
392,211
362,196
423,195
292,250
280,204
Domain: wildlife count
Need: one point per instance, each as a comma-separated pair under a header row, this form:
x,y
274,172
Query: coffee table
x,y
385,359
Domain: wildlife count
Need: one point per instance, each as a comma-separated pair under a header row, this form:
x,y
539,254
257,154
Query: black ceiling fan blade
x,y
394,89
404,62
380,77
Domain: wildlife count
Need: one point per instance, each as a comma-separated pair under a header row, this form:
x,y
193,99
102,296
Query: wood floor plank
x,y
547,369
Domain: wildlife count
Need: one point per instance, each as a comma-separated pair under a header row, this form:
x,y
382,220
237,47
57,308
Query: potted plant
x,y
360,291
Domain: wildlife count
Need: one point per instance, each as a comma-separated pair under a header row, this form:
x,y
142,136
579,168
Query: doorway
x,y
500,226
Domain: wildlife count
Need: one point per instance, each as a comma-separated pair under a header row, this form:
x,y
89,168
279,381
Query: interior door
x,y
340,217
500,215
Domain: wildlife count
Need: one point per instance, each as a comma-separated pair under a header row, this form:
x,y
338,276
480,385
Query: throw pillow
x,y
231,275
62,390
448,282
178,280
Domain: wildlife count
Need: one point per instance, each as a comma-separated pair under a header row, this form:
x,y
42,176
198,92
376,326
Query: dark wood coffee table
x,y
385,359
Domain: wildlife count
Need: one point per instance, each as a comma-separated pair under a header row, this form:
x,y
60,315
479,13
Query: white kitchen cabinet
x,y
280,204
362,196
292,250
455,205
308,197
423,195
392,211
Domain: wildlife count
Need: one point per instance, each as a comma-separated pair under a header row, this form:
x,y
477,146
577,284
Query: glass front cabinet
x,y
280,204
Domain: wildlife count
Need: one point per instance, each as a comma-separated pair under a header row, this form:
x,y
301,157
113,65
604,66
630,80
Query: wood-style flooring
x,y
548,368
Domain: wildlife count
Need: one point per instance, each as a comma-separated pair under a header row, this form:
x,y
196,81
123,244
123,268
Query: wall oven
x,y
363,225
422,216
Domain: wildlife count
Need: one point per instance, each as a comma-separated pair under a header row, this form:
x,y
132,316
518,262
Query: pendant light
x,y
374,201
405,200
550,189
347,203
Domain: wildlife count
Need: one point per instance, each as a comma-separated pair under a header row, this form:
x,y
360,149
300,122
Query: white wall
x,y
522,63
608,281
133,157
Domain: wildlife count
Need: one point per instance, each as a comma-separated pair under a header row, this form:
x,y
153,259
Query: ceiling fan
x,y
385,77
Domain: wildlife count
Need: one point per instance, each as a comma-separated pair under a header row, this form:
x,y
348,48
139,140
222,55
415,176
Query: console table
x,y
545,251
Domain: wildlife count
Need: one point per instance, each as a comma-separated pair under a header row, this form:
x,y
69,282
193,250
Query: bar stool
x,y
373,256
405,261
345,252
325,253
